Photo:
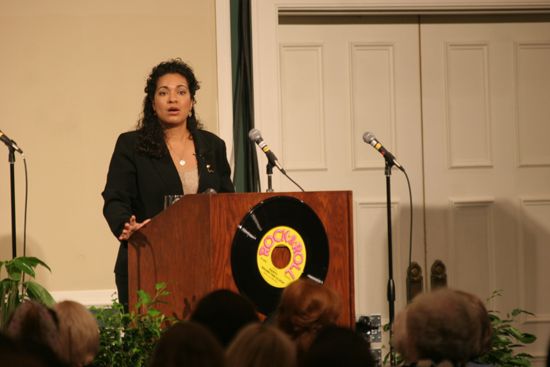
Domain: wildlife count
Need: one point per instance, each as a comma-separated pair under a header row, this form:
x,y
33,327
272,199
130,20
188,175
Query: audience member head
x,y
187,344
339,346
33,323
261,345
224,313
400,338
12,354
306,307
78,333
442,325
35,329
482,316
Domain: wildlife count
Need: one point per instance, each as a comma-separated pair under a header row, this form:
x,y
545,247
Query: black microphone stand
x,y
269,171
11,158
391,284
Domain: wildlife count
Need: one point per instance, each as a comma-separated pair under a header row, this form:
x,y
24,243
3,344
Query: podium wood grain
x,y
188,246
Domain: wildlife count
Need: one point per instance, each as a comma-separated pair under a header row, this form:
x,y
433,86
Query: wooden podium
x,y
188,246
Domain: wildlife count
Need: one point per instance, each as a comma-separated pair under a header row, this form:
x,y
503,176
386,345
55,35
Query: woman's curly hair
x,y
151,134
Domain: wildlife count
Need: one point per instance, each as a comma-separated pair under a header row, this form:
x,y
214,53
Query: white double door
x,y
463,105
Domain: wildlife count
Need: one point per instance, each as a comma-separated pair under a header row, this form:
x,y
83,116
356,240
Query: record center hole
x,y
280,256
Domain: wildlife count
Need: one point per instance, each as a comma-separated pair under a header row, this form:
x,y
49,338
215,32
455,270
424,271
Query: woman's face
x,y
173,101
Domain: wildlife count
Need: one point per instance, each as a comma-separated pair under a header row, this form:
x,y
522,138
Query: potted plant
x,y
14,288
128,338
507,339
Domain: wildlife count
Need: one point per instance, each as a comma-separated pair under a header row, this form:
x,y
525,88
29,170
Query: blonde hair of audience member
x,y
305,308
261,345
78,333
439,326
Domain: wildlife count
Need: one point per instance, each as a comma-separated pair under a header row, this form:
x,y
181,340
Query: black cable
x,y
294,182
26,206
411,220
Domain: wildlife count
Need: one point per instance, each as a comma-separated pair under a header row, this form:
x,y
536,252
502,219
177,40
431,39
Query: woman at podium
x,y
168,154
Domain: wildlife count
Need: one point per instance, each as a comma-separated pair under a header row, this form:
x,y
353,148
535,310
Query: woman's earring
x,y
190,113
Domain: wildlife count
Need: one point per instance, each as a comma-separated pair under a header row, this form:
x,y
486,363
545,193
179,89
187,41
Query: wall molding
x,y
373,7
92,297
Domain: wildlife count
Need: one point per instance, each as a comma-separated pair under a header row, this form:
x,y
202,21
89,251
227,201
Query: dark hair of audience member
x,y
305,308
338,346
12,354
34,328
261,345
224,313
187,344
78,333
439,326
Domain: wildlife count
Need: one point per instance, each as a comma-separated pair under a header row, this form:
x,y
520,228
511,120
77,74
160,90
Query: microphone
x,y
256,136
9,142
369,138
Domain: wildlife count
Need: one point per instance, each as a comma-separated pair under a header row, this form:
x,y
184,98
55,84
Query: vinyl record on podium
x,y
278,241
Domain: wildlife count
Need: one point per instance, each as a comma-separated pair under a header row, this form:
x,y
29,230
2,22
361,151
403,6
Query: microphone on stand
x,y
10,143
370,139
256,136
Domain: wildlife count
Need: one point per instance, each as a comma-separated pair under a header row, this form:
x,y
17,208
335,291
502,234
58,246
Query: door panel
x,y
338,81
474,142
486,119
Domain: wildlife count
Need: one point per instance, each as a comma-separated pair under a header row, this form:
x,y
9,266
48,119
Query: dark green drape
x,y
246,177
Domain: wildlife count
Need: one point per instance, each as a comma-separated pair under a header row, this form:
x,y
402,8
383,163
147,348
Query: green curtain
x,y
246,176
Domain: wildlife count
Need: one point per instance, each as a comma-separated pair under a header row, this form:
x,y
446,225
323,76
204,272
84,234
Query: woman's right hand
x,y
130,227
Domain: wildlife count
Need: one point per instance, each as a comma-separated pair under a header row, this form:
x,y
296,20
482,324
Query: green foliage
x,y
14,289
507,339
128,339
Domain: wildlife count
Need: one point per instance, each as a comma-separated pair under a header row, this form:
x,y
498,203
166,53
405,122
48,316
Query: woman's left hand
x,y
130,227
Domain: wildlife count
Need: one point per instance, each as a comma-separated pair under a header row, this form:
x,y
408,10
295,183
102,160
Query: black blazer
x,y
137,183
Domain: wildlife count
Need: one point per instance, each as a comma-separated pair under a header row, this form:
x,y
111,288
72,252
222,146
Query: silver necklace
x,y
182,161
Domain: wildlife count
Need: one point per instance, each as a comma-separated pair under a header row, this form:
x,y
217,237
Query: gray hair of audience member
x,y
440,325
187,344
78,333
33,323
261,345
485,335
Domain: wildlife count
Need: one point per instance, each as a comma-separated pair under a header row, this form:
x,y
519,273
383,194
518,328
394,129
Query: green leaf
x,y
527,338
519,311
34,261
144,297
24,266
153,312
38,293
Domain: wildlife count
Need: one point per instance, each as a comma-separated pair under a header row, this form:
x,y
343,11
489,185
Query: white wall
x,y
72,75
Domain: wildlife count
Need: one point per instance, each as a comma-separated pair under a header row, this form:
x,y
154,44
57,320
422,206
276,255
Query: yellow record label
x,y
281,236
